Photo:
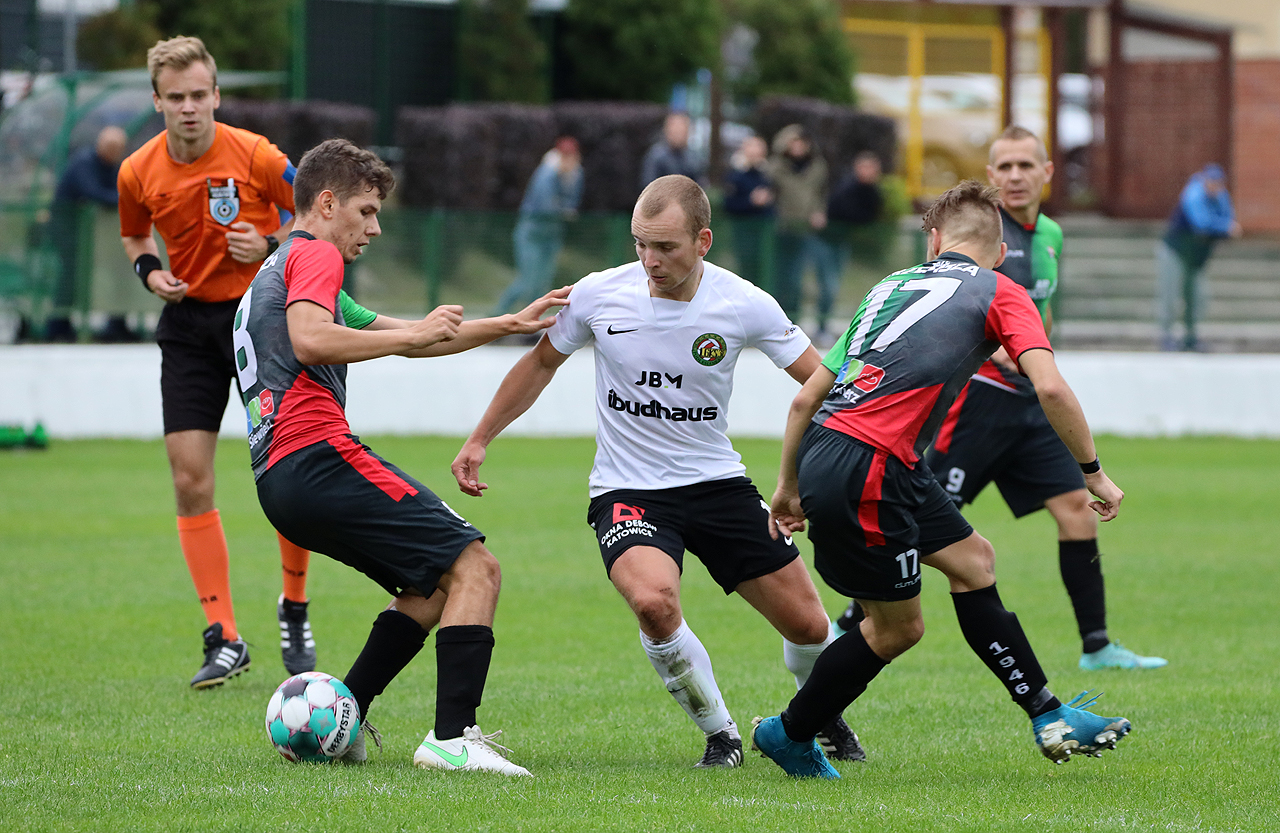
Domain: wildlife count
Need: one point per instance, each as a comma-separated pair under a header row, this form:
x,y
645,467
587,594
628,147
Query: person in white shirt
x,y
667,331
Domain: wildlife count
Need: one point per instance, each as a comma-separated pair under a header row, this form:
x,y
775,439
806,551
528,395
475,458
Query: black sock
x,y
839,676
996,637
394,641
853,614
1081,567
462,665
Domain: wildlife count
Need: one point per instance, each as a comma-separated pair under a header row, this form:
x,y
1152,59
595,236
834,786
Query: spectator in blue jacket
x,y
90,177
748,203
1203,216
550,199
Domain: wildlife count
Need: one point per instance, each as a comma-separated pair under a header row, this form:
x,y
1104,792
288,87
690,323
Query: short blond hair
x,y
676,188
178,54
970,212
1016,133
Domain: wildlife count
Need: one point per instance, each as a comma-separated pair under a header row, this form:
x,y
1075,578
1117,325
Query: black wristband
x,y
272,244
1091,468
144,265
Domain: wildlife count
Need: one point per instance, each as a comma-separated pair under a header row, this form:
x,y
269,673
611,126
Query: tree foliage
x,y
635,50
500,55
241,34
116,39
801,50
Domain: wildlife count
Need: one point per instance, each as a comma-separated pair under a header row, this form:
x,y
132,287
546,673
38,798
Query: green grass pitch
x,y
99,634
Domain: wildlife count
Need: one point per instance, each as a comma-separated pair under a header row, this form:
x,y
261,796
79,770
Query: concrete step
x,y
1144,286
1219,268
1144,309
1216,336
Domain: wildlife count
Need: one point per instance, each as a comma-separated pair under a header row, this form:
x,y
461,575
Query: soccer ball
x,y
312,717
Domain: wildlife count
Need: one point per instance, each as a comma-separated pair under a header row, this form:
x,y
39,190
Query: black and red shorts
x,y
1007,438
725,523
339,498
871,517
196,363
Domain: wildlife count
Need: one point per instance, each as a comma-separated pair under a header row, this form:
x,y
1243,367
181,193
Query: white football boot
x,y
473,751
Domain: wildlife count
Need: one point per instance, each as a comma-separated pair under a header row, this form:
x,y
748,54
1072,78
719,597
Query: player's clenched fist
x,y
441,324
1107,493
785,513
166,286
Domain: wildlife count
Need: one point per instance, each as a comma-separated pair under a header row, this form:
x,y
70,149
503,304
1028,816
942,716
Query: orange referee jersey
x,y
242,177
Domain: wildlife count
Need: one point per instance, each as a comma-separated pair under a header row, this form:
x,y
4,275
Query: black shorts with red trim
x,y
196,363
1003,437
871,517
339,498
725,523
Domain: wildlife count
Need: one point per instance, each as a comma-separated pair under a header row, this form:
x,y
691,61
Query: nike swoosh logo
x,y
458,760
611,331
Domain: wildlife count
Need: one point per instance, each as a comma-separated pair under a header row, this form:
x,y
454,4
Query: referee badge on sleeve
x,y
224,202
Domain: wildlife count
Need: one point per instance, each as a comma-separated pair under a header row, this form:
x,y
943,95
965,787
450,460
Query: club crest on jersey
x,y
224,202
709,349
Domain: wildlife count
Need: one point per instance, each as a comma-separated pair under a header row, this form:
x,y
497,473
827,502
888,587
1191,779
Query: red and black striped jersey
x,y
913,344
289,405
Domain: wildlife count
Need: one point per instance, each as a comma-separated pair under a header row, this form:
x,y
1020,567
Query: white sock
x,y
799,659
685,668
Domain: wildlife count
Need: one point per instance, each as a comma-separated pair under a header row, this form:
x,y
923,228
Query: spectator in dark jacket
x,y
854,204
1203,216
90,177
857,200
671,153
748,202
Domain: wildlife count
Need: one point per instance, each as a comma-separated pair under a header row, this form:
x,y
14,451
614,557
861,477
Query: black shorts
x,y
871,518
725,523
339,498
1004,437
196,363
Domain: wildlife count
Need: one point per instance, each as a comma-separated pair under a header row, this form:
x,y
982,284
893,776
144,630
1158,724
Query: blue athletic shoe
x,y
1115,655
802,760
1072,730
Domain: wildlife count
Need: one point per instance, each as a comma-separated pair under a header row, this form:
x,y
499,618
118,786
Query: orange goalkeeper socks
x,y
204,546
293,564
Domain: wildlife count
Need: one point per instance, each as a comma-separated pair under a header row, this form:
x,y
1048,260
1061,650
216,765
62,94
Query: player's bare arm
x,y
160,281
484,330
1067,418
785,513
520,388
318,339
802,368
246,245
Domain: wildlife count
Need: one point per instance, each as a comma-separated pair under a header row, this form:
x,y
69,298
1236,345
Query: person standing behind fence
x,y
214,193
856,201
799,175
748,200
1203,216
551,197
90,176
671,154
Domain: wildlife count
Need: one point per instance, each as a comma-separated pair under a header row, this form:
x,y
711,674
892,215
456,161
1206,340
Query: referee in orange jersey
x,y
214,193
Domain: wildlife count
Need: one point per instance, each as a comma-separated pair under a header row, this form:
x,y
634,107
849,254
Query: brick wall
x,y
1170,129
1256,189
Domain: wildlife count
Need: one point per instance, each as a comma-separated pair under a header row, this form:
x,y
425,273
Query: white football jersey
x,y
664,371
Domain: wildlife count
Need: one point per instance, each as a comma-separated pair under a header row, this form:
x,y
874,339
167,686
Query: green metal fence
x,y
423,258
